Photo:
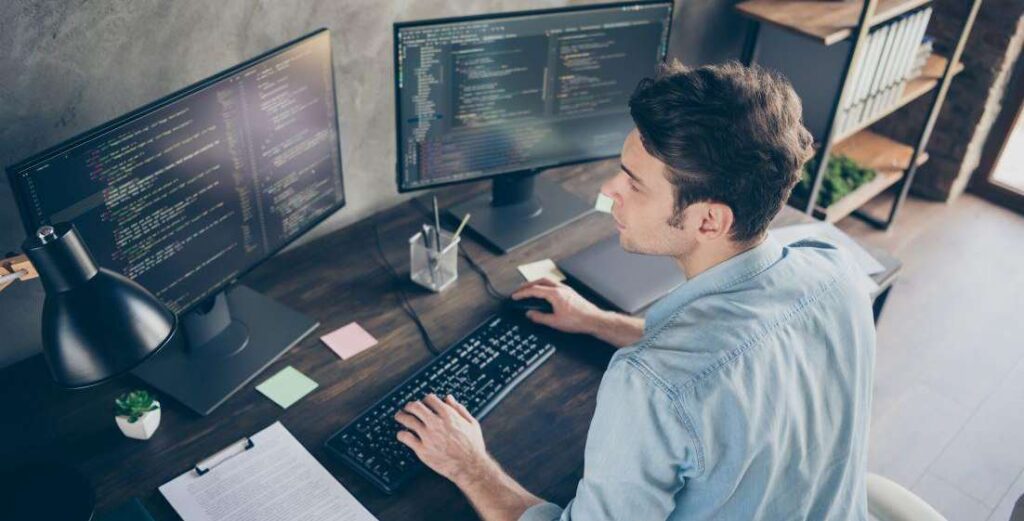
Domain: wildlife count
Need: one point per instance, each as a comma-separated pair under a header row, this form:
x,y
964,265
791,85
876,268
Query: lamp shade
x,y
96,323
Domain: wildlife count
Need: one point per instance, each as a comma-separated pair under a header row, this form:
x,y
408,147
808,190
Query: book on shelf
x,y
892,54
924,51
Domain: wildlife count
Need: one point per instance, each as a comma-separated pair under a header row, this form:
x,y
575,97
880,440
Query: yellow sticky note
x,y
542,269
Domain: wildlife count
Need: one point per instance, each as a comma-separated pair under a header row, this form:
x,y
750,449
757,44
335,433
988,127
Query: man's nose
x,y
611,188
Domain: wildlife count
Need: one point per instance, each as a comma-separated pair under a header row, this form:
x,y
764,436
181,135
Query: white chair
x,y
889,501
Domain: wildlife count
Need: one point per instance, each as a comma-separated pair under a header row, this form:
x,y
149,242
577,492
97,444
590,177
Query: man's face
x,y
645,205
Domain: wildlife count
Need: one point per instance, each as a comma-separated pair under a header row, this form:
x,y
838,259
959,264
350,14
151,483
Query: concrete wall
x,y
69,66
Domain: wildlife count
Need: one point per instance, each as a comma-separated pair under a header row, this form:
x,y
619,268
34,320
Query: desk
x,y
537,432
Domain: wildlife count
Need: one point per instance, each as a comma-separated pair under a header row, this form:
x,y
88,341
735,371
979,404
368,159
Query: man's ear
x,y
716,220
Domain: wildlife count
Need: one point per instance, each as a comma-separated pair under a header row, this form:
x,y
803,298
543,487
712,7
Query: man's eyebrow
x,y
630,173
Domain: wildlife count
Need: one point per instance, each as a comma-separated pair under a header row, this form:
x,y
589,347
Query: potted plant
x,y
137,414
842,176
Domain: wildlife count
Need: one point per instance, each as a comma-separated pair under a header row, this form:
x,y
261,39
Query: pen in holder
x,y
431,265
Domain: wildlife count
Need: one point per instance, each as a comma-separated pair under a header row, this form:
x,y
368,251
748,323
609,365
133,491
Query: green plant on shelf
x,y
842,176
134,404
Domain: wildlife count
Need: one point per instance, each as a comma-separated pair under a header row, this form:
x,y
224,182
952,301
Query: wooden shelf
x,y
864,193
889,159
828,22
871,150
915,88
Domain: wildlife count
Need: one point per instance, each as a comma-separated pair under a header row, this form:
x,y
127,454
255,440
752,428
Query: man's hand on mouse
x,y
571,312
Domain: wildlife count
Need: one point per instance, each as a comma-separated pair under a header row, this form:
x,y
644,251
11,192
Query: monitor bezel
x,y
18,190
399,180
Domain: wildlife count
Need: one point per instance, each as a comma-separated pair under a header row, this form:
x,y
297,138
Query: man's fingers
x,y
410,440
543,292
436,405
459,408
409,421
523,292
544,319
538,282
544,281
420,411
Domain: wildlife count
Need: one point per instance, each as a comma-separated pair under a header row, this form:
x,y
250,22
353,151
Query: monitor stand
x,y
519,209
224,344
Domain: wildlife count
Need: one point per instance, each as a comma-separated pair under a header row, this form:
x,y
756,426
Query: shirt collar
x,y
717,278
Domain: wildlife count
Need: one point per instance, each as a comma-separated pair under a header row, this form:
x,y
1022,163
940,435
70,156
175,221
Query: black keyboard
x,y
478,371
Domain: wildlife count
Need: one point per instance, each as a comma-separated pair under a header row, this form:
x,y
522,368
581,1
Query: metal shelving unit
x,y
825,22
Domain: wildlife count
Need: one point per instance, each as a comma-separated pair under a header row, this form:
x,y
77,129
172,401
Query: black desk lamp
x,y
97,324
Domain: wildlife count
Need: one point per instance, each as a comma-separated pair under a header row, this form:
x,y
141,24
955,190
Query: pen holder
x,y
430,268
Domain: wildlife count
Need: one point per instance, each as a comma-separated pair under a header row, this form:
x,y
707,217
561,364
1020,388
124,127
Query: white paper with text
x,y
276,480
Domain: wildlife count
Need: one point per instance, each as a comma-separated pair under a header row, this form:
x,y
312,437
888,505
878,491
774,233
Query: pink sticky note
x,y
349,341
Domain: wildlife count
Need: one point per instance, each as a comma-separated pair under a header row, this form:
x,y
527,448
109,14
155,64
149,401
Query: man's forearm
x,y
494,494
617,329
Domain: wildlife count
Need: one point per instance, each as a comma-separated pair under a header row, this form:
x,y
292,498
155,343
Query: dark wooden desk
x,y
537,432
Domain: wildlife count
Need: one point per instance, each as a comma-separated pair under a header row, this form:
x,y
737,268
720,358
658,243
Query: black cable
x,y
488,285
406,305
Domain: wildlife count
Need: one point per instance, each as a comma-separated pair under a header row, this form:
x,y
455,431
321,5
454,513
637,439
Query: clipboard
x,y
239,447
262,477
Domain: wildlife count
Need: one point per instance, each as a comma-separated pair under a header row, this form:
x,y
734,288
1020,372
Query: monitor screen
x,y
489,95
190,192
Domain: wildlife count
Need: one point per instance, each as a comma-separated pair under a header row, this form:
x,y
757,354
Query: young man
x,y
743,394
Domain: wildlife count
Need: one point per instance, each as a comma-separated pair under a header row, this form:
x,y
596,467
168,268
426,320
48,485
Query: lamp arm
x,y
15,268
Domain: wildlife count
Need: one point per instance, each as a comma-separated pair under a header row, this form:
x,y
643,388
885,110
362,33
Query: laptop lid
x,y
628,281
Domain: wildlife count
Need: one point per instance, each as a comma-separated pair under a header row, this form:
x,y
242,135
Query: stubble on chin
x,y
657,246
627,244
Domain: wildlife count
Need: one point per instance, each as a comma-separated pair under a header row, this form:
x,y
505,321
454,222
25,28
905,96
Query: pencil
x,y
461,226
437,226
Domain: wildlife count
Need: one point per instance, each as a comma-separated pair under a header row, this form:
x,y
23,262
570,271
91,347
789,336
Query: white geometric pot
x,y
144,427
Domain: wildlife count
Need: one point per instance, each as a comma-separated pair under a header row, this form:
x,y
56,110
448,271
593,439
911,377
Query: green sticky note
x,y
287,387
604,203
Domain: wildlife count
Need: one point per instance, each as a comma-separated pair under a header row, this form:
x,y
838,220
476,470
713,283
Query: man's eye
x,y
632,186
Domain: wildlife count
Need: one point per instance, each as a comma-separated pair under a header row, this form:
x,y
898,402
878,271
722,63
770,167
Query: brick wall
x,y
974,96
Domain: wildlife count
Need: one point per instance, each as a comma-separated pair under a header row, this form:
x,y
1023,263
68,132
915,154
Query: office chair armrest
x,y
888,501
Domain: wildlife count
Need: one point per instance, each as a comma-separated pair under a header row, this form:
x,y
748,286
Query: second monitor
x,y
190,192
507,96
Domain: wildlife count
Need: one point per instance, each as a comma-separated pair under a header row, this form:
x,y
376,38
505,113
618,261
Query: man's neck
x,y
710,255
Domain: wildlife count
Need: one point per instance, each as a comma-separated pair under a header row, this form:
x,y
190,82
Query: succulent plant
x,y
134,404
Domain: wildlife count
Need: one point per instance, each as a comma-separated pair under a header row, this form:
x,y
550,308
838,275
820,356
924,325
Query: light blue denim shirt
x,y
748,397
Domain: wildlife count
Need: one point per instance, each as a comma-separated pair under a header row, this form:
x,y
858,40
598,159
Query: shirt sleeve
x,y
638,450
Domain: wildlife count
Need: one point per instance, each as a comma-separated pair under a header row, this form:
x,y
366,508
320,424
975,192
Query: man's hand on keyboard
x,y
444,435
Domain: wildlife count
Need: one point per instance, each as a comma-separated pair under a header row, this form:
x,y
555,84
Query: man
x,y
743,394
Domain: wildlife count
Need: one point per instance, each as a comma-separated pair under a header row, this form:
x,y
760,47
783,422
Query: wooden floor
x,y
948,414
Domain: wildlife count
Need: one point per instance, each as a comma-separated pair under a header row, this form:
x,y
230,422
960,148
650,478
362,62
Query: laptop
x,y
627,281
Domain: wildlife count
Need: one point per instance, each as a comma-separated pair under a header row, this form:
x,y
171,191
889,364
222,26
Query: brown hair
x,y
729,134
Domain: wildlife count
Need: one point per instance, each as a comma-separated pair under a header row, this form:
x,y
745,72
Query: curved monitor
x,y
190,192
487,95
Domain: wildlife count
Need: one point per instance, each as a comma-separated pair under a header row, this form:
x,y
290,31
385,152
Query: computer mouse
x,y
528,304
